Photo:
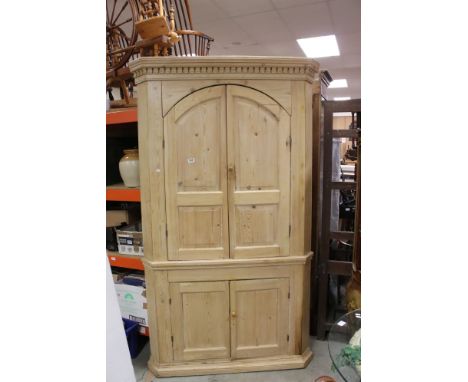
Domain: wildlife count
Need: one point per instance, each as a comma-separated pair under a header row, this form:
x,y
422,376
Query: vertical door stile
x,y
230,169
227,163
232,319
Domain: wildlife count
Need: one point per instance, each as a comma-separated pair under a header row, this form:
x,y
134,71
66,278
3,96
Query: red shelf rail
x,y
121,116
130,262
120,193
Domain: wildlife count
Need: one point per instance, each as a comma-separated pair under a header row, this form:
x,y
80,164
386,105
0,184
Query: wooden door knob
x,y
231,169
233,314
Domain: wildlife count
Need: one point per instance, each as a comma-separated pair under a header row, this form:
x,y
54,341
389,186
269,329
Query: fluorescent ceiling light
x,y
338,84
342,98
343,114
316,47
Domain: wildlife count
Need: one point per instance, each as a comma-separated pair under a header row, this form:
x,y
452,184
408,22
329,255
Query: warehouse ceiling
x,y
271,27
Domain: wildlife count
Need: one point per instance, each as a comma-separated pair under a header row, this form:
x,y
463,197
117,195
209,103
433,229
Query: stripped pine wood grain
x,y
297,168
196,185
226,197
258,173
145,176
175,90
154,157
259,318
200,312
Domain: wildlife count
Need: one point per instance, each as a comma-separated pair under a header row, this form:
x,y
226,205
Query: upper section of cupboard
x,y
227,165
225,156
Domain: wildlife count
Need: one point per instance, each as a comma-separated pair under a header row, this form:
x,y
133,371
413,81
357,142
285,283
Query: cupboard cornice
x,y
236,67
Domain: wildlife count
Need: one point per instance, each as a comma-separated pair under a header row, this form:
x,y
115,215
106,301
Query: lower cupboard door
x,y
200,320
259,318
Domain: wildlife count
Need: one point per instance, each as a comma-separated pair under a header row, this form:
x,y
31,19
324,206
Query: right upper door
x,y
259,152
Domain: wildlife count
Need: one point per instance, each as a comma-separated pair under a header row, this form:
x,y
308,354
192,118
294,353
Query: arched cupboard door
x,y
196,176
227,160
258,139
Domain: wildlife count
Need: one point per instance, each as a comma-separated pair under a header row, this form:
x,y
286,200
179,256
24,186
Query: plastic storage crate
x,y
130,240
134,340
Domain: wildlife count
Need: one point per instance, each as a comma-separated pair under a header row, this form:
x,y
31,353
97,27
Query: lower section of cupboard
x,y
230,316
236,366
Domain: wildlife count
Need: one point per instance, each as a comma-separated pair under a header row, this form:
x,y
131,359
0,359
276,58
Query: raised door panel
x,y
259,318
200,317
258,137
196,184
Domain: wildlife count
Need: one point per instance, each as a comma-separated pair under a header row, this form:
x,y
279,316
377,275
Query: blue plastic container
x,y
132,280
134,340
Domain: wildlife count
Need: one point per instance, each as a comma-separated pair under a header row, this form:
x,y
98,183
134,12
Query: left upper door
x,y
196,176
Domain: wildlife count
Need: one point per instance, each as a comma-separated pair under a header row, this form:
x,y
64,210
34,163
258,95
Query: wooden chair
x,y
128,36
192,42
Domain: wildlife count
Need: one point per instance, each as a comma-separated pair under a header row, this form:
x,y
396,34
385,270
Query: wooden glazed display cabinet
x,y
226,196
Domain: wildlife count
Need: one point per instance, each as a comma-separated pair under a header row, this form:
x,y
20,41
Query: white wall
x,y
119,366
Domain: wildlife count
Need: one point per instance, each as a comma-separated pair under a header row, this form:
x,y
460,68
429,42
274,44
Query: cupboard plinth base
x,y
236,366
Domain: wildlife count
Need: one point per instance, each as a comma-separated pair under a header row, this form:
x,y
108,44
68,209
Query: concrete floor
x,y
320,365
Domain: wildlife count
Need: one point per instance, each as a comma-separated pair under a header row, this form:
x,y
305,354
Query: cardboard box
x,y
117,276
117,217
130,241
132,302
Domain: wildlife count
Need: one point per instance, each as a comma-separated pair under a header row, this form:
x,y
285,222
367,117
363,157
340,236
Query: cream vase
x,y
129,167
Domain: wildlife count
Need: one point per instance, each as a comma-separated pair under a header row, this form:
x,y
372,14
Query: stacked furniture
x,y
226,197
338,257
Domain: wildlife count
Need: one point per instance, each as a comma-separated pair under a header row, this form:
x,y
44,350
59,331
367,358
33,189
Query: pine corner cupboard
x,y
226,167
